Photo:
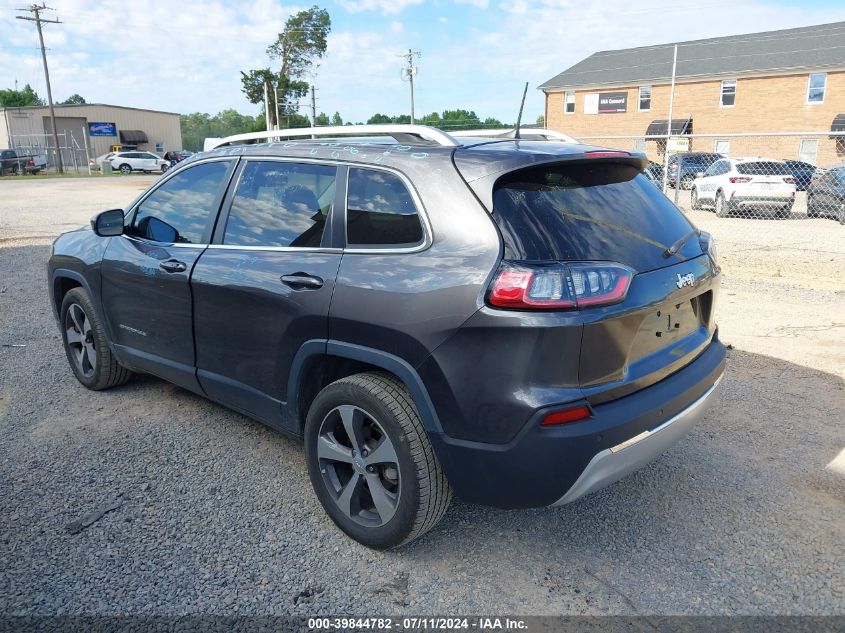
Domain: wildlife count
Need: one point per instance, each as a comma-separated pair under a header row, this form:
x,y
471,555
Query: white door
x,y
808,150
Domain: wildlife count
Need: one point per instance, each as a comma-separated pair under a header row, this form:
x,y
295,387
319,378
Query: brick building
x,y
789,81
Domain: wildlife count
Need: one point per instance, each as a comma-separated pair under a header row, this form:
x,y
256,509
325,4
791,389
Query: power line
x,y
36,10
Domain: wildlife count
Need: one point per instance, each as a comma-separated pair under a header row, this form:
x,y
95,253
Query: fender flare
x,y
389,362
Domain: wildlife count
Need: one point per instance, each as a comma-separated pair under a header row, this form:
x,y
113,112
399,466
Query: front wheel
x,y
85,344
164,168
125,169
722,210
686,183
19,171
371,463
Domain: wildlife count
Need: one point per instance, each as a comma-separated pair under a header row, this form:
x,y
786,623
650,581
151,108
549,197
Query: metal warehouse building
x,y
89,130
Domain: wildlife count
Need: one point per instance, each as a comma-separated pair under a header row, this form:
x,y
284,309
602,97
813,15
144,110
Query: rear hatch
x,y
584,217
763,179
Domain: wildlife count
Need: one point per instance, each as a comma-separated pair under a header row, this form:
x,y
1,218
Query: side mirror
x,y
699,174
108,223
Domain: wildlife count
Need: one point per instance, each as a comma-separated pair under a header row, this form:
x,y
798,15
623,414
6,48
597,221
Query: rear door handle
x,y
173,266
299,281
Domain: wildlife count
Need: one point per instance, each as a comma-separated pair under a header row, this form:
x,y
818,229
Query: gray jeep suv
x,y
516,322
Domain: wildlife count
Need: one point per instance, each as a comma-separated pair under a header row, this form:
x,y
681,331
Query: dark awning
x,y
838,125
679,126
133,137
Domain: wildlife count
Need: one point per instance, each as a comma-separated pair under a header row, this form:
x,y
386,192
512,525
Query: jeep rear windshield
x,y
763,168
589,211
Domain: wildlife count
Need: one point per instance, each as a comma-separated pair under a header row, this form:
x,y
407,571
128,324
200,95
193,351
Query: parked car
x,y
97,163
127,162
802,172
518,322
21,161
684,167
826,194
747,184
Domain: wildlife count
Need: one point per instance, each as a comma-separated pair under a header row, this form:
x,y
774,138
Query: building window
x,y
569,103
722,147
808,150
645,99
815,87
728,93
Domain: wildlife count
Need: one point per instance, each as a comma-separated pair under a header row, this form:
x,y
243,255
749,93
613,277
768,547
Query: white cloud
x,y
387,7
480,4
396,27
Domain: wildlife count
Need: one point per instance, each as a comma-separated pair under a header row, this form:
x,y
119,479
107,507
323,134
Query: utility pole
x,y
313,106
36,10
408,74
267,104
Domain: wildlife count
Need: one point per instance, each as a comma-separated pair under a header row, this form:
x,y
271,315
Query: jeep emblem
x,y
685,280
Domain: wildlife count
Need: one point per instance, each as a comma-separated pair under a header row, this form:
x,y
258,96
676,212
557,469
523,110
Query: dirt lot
x,y
214,513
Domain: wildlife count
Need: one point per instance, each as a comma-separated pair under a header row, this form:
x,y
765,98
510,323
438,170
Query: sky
x,y
186,55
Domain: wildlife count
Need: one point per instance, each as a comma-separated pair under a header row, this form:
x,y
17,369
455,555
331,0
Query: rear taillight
x,y
31,162
789,180
556,286
735,179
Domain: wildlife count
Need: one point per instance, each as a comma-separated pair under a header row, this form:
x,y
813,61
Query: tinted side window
x,y
380,210
179,210
281,204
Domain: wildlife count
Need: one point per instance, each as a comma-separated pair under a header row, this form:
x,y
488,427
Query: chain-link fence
x,y
75,153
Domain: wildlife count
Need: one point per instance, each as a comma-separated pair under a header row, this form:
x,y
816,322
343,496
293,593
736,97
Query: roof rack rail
x,y
406,134
511,132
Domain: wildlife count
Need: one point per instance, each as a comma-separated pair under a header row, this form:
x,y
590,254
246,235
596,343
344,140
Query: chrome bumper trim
x,y
614,463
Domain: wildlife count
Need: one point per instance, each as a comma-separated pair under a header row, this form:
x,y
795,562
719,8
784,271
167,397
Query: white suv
x,y
733,184
127,162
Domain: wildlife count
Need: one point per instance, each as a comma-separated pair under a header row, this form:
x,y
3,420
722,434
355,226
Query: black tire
x,y
695,203
125,169
785,213
19,170
104,372
421,495
721,206
811,207
164,168
686,183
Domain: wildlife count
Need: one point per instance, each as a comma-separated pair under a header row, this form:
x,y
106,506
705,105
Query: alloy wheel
x,y
359,465
80,340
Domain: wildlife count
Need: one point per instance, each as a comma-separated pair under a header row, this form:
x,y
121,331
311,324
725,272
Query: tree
x,y
199,126
14,98
377,119
322,119
337,119
541,121
302,42
74,99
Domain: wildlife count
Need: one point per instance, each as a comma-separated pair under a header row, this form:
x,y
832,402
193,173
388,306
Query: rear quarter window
x,y
380,211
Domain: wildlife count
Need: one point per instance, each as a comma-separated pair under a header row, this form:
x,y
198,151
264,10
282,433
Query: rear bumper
x,y
762,201
555,465
615,462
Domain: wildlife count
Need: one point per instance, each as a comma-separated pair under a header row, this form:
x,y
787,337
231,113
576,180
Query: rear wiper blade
x,y
673,250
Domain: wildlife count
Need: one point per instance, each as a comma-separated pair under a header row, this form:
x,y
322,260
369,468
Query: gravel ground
x,y
212,513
